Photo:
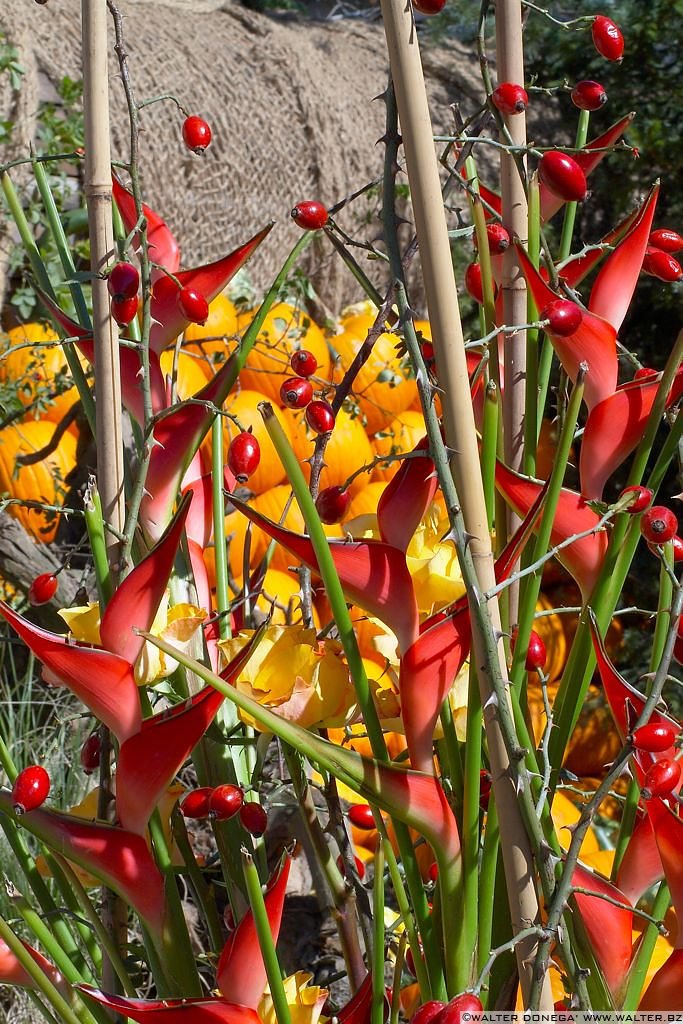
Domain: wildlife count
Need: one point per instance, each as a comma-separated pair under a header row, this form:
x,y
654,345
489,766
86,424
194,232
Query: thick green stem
x,y
265,939
377,1008
571,208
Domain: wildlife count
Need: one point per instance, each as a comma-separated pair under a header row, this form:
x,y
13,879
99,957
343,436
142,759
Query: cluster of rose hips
x,y
664,775
659,260
123,283
436,1012
220,803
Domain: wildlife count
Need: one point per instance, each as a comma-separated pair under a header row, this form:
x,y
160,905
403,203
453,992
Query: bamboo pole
x,y
109,438
444,315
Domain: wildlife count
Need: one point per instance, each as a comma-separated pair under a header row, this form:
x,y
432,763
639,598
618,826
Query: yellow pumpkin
x,y
365,502
42,481
212,342
284,330
280,598
399,436
31,356
190,375
347,449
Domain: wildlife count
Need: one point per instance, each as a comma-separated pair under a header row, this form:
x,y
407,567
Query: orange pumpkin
x,y
284,330
399,436
280,598
31,357
365,502
594,742
347,449
190,375
42,481
211,342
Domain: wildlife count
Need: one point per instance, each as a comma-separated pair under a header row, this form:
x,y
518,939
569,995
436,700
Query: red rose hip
x,y
536,654
91,753
196,803
124,310
499,238
196,134
244,456
607,38
124,281
640,497
661,778
662,265
225,801
360,866
465,1003
193,305
303,363
666,240
510,98
31,788
332,504
296,392
427,1012
563,176
310,215
254,819
43,589
658,525
429,6
473,284
655,737
360,815
320,417
564,317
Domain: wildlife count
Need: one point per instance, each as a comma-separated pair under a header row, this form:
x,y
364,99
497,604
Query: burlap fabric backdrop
x,y
289,101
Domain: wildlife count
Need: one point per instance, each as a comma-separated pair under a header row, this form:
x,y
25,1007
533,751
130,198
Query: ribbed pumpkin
x,y
42,481
284,330
191,376
39,367
347,449
399,436
244,405
211,342
383,387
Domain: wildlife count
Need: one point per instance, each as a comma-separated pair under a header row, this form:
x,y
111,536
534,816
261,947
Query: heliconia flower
x,y
357,1010
13,972
304,679
641,865
241,973
583,559
608,927
576,268
197,1010
664,991
118,858
305,1001
615,426
164,248
406,498
668,830
168,321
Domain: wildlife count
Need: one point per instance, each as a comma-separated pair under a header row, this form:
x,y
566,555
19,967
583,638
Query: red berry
x,y
332,504
465,1003
658,525
296,392
193,305
43,589
427,1012
427,351
677,543
124,281
360,866
607,38
433,872
564,317
510,98
655,737
30,788
662,265
197,803
303,363
561,1005
196,134
473,283
429,6
644,373
485,785
666,240
563,176
499,238
124,310
588,95
661,778
320,417
360,815
254,818
536,654
244,455
90,753
641,497
310,215
225,801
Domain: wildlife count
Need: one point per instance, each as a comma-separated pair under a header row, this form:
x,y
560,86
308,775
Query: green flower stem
x,y
92,510
49,993
487,885
646,946
489,444
534,407
570,208
202,892
467,932
335,596
265,939
44,282
453,768
532,584
377,960
487,283
220,549
666,591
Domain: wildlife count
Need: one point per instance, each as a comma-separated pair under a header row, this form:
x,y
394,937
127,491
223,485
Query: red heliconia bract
x,y
193,305
655,737
666,239
360,866
499,238
296,392
607,38
661,778
225,801
310,215
564,317
332,504
427,1012
43,589
360,815
640,497
465,1003
124,281
662,265
303,363
588,95
563,176
429,6
124,310
320,416
254,818
90,753
244,455
658,525
197,803
510,98
473,283
31,788
196,134
644,373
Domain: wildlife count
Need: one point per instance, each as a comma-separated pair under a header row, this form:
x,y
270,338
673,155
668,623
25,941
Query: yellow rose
x,y
305,1001
304,679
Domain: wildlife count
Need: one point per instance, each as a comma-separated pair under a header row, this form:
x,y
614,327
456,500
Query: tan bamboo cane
x,y
444,315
